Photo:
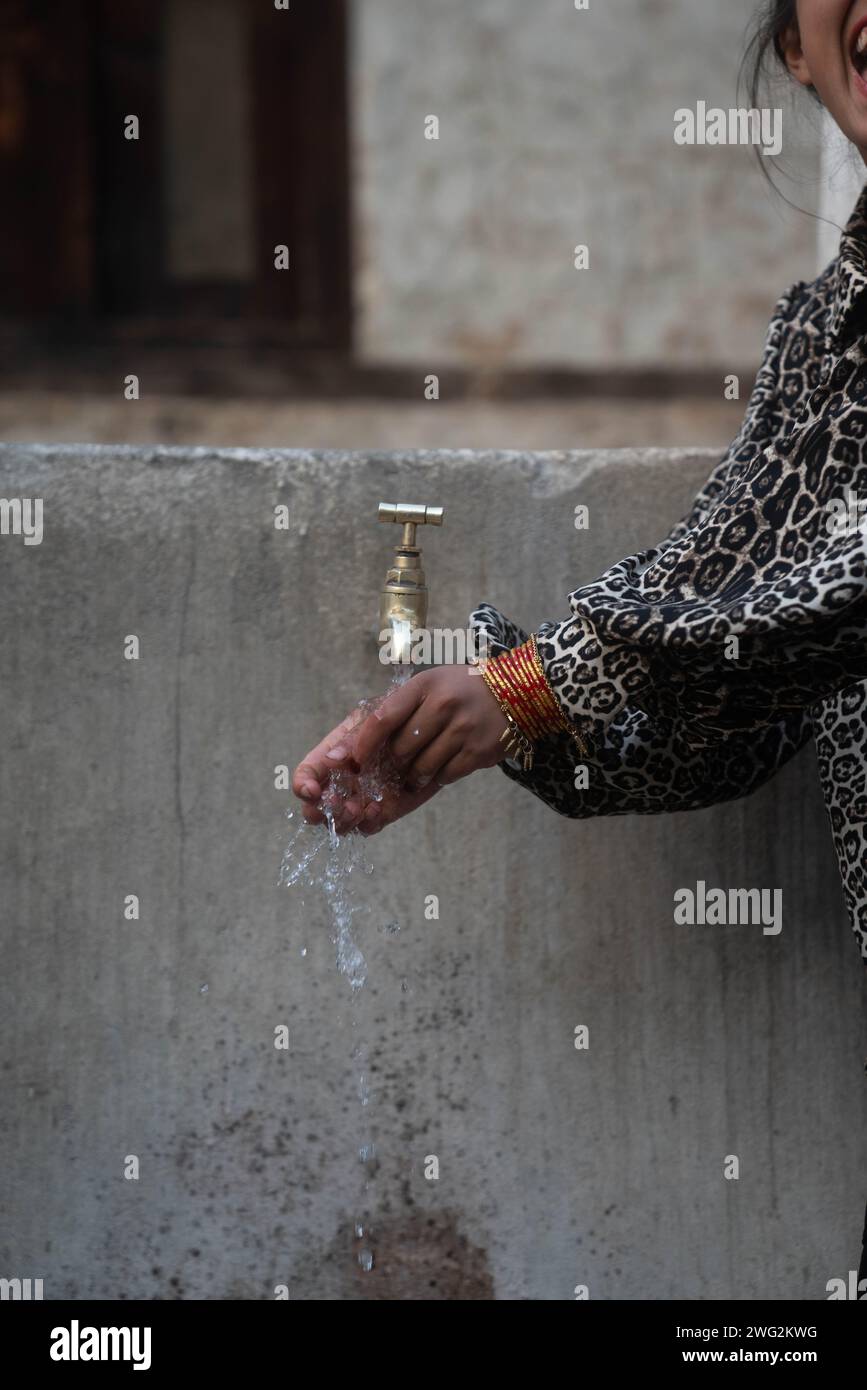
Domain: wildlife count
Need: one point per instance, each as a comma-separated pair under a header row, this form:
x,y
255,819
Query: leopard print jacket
x,y
698,667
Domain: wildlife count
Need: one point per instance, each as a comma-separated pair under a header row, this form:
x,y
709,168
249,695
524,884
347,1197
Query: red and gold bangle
x,y
517,679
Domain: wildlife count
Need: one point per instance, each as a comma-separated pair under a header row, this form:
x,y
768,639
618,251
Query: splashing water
x,y
317,857
304,862
302,859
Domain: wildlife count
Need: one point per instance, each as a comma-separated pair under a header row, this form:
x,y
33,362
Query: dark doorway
x,y
154,153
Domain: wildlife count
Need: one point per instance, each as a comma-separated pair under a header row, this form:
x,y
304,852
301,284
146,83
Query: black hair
x,y
771,20
764,58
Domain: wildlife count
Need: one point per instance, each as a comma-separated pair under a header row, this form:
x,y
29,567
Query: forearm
x,y
641,765
644,768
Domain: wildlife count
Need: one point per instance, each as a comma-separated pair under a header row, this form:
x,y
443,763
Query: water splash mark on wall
x,y
420,1256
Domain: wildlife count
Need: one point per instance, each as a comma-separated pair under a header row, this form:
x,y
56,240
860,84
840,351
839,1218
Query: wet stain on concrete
x,y
417,1256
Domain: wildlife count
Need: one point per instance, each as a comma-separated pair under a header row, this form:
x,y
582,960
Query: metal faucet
x,y
403,598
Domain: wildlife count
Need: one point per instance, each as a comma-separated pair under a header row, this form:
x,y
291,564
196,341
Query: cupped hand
x,y
332,758
431,731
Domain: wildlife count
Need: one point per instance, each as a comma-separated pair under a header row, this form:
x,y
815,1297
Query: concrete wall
x,y
556,129
156,777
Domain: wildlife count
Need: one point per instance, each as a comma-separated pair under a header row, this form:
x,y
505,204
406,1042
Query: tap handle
x,y
409,515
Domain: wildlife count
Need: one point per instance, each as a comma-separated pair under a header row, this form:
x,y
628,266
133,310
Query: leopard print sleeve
x,y
647,763
759,608
643,766
705,662
764,418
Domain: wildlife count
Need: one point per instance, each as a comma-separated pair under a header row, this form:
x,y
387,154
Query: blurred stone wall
x,y
556,129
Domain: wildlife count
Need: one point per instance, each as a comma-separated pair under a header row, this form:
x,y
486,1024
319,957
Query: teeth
x,y
862,41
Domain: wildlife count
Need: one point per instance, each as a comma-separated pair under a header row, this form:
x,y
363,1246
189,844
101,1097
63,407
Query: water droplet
x,y
359,1230
366,1152
203,989
303,950
365,1259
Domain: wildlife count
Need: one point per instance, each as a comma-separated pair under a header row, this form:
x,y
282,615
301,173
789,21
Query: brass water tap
x,y
403,598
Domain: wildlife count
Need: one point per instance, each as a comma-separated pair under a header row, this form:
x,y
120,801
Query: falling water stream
x,y
317,858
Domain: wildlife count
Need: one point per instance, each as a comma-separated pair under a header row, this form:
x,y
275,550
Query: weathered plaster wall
x,y
156,777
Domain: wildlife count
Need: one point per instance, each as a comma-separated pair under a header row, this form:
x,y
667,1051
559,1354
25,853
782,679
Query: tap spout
x,y
403,600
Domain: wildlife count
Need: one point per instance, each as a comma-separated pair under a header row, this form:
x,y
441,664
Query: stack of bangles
x,y
518,682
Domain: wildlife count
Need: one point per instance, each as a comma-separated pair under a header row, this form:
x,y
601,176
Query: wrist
x,y
518,681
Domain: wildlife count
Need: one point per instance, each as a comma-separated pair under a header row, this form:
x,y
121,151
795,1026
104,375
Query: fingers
x,y
411,738
344,799
417,734
348,815
372,819
312,811
306,780
388,811
312,773
428,766
460,765
355,744
345,811
345,815
394,711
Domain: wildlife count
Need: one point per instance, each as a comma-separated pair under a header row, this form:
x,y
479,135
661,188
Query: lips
x,y
858,58
858,48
